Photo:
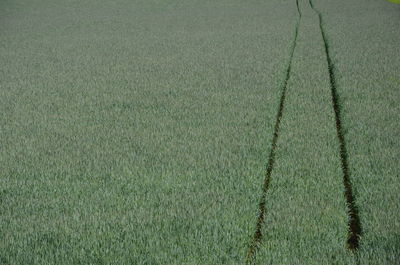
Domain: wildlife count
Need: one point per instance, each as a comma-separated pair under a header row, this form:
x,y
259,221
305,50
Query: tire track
x,y
255,243
354,224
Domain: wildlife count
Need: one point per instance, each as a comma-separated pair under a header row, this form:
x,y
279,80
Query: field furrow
x,y
363,38
307,220
261,208
354,220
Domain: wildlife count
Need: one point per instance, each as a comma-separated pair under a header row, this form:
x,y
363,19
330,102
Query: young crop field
x,y
199,132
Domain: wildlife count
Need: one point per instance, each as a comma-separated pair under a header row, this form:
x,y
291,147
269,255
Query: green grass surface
x,y
138,132
364,40
306,220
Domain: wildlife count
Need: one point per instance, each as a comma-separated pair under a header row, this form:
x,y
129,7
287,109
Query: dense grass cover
x,y
139,132
136,132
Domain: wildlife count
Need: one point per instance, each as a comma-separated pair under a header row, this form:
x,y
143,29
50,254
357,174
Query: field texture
x,y
199,132
364,42
136,132
306,221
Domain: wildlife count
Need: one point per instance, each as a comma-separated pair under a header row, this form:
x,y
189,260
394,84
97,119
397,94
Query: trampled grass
x,y
138,132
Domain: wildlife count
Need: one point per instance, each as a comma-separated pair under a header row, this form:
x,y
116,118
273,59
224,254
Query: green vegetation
x,y
139,132
364,40
136,132
306,219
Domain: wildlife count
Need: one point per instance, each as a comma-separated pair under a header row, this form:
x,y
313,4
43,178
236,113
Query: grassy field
x,y
136,132
365,49
142,132
306,221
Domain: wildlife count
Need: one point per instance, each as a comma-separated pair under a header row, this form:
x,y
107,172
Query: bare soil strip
x,y
261,211
354,223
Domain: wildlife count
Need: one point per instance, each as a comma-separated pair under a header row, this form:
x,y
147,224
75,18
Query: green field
x,y
199,132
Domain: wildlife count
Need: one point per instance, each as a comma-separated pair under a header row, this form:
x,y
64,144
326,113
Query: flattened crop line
x,y
261,211
354,224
